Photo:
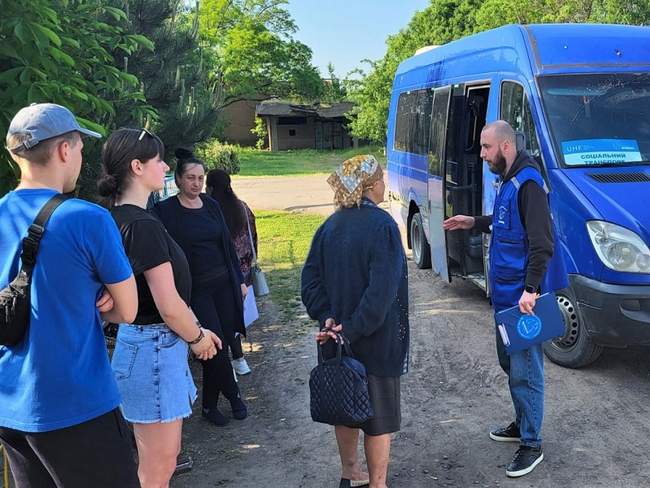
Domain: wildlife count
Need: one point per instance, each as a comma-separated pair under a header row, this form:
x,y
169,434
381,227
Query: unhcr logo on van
x,y
600,151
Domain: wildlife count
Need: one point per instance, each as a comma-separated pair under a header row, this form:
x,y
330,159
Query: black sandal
x,y
346,483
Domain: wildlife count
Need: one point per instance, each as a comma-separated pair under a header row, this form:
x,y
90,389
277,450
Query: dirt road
x,y
596,426
309,193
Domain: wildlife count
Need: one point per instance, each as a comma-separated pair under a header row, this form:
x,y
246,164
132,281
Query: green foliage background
x,y
62,51
446,20
173,66
165,64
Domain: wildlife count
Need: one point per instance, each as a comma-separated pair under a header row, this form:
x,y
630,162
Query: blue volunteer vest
x,y
509,246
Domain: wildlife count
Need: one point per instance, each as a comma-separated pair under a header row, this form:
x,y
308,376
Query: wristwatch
x,y
530,289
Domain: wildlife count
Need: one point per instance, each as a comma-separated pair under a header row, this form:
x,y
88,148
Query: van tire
x,y
575,349
419,243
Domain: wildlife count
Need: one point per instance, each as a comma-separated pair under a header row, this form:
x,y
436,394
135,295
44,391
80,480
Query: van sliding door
x,y
436,186
463,174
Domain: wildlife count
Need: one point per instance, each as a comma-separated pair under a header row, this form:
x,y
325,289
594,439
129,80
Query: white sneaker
x,y
241,366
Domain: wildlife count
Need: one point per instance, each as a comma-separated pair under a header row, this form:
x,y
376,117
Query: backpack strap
x,y
36,230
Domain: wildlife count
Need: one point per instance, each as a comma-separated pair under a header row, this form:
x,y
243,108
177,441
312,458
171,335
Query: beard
x,y
498,166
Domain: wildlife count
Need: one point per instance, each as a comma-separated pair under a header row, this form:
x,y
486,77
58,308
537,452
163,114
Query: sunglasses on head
x,y
142,134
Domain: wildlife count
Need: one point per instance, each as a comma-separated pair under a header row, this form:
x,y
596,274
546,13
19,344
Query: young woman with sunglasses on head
x,y
150,358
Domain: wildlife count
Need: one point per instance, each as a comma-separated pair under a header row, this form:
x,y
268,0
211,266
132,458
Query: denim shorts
x,y
152,373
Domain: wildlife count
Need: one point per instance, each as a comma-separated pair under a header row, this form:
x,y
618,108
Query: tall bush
x,y
219,156
261,132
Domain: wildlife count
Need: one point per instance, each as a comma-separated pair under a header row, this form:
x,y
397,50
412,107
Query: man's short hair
x,y
41,152
502,130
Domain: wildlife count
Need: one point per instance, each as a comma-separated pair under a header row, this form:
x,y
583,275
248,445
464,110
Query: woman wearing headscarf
x,y
355,282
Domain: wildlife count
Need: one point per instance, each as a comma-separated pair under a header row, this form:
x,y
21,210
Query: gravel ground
x,y
595,429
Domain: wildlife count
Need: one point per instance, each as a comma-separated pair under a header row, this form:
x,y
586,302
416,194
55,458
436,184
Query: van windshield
x,y
599,120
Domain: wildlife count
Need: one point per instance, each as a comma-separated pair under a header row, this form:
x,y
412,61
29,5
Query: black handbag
x,y
15,298
339,388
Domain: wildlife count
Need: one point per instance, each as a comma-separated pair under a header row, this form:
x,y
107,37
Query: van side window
x,y
515,110
422,118
402,121
438,130
413,121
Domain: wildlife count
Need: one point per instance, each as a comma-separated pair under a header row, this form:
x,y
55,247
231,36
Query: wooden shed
x,y
291,126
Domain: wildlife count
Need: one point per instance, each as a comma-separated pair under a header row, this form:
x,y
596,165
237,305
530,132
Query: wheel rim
x,y
571,324
416,240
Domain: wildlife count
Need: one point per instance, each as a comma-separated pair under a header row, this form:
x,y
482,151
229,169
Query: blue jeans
x,y
525,370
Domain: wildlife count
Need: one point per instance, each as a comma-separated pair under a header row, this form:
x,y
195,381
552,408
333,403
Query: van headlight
x,y
619,248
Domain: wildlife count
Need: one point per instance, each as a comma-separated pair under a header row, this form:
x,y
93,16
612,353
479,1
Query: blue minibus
x,y
578,97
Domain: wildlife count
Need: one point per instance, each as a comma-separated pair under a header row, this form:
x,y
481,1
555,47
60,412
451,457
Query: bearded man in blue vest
x,y
522,265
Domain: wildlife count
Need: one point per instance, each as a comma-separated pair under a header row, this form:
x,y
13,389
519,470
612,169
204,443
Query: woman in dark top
x,y
355,282
241,224
195,221
150,358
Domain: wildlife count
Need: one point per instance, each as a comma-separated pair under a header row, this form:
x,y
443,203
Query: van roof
x,y
550,47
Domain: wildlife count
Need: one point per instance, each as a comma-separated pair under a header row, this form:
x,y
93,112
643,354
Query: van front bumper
x,y
614,315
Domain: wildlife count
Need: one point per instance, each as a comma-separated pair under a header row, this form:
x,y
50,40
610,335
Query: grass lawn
x,y
284,239
299,162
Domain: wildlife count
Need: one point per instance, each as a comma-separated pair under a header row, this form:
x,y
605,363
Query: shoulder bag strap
x,y
35,232
250,237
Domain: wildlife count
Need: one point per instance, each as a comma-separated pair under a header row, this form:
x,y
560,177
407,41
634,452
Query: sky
x,y
346,31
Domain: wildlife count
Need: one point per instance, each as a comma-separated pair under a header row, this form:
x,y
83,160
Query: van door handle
x,y
460,188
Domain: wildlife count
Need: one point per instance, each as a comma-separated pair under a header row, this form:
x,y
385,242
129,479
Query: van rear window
x,y
599,119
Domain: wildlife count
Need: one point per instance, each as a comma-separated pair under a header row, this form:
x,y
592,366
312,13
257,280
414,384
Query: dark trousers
x,y
95,453
236,348
214,306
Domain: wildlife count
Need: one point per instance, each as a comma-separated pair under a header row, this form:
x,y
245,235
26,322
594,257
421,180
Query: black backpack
x,y
15,298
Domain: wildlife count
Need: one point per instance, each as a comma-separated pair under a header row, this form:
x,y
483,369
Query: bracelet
x,y
199,338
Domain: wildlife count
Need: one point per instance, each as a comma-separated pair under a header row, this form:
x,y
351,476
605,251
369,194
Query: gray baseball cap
x,y
44,121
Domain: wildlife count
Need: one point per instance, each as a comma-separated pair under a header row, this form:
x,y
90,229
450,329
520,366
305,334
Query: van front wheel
x,y
574,349
419,244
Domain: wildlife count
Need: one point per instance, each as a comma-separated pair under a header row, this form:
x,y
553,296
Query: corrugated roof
x,y
335,110
284,109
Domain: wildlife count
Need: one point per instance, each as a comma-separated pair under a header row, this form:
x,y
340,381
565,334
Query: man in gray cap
x,y
59,417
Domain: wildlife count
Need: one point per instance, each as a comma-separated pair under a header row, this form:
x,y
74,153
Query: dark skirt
x,y
385,400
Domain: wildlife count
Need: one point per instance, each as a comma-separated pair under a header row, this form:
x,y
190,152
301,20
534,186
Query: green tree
x,y
446,20
334,89
442,21
252,53
175,75
60,51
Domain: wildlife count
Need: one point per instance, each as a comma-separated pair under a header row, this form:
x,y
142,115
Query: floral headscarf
x,y
352,178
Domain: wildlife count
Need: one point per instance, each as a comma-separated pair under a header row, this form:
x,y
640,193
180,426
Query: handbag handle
x,y
342,343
